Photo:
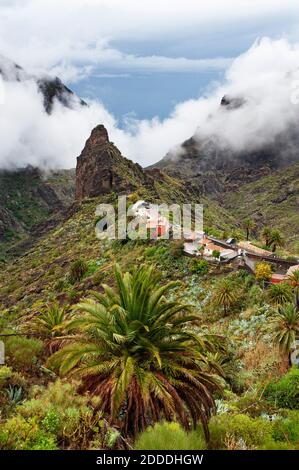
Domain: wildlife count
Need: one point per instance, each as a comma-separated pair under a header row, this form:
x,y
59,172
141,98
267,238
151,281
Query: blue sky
x,y
106,50
147,94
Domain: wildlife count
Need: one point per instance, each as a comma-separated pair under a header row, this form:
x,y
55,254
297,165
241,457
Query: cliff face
x,y
214,168
101,168
28,197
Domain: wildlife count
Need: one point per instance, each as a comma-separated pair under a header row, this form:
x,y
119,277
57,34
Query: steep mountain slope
x,y
42,270
28,197
214,167
271,201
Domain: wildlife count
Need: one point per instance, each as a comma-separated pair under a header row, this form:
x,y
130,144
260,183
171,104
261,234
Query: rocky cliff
x,y
101,168
213,167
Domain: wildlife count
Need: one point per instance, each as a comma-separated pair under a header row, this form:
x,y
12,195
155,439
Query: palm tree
x,y
279,294
276,240
293,279
140,355
51,325
225,295
248,224
284,327
266,235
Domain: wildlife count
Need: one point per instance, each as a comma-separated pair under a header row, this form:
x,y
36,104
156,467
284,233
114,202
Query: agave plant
x,y
141,355
14,395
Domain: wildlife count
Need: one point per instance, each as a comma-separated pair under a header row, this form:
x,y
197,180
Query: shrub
x,y
276,445
19,434
5,375
284,393
23,352
216,254
287,427
169,436
243,431
177,248
60,285
11,380
263,272
77,270
199,266
60,411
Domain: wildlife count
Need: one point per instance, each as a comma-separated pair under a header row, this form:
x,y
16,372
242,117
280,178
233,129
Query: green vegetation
x,y
270,200
284,326
284,393
147,359
169,436
101,360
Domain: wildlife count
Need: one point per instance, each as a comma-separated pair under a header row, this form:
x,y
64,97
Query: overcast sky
x,y
139,56
153,72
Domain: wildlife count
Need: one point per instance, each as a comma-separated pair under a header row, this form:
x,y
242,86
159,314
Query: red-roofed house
x,y
277,278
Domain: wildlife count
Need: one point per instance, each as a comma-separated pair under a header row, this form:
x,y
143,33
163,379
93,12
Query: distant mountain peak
x,y
51,88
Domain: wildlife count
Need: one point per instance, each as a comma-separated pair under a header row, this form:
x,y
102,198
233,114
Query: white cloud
x,y
74,35
264,75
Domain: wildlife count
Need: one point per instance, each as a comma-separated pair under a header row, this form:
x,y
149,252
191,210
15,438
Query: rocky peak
x,y
51,88
99,136
101,168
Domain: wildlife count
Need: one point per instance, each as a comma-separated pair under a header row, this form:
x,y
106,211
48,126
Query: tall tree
x,y
141,356
248,224
266,236
225,295
276,240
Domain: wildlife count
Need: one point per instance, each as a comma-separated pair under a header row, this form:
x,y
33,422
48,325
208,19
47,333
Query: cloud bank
x,y
75,38
264,75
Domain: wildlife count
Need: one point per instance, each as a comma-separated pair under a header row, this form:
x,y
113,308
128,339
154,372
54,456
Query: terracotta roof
x,y
255,249
278,277
212,247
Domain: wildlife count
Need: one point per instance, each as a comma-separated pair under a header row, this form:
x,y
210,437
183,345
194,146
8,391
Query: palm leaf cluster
x,y
141,356
284,326
225,295
51,325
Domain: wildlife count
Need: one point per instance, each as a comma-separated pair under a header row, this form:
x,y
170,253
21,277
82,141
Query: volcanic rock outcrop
x,y
101,168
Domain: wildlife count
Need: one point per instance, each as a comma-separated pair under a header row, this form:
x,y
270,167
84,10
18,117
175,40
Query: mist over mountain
x,y
214,164
43,124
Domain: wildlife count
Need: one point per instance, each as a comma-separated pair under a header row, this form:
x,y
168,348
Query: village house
x,y
248,246
278,278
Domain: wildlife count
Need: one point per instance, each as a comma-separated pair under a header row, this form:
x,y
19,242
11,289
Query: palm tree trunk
x,y
289,359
